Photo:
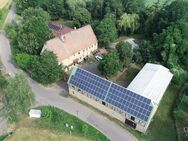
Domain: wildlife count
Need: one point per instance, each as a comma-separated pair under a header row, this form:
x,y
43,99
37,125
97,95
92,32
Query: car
x,y
98,58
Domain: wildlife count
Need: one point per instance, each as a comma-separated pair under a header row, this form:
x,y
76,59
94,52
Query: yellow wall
x,y
80,55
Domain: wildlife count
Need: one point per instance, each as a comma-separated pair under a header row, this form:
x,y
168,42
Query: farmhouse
x,y
135,105
73,47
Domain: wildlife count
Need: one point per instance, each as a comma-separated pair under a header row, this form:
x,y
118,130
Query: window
x,y
132,118
72,92
103,103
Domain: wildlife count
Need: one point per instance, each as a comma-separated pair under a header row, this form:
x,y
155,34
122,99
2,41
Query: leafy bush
x,y
23,60
1,14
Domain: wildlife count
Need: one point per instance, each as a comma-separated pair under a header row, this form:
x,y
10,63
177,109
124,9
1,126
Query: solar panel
x,y
109,92
90,83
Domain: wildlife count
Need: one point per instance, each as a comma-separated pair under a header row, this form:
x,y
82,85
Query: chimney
x,y
63,38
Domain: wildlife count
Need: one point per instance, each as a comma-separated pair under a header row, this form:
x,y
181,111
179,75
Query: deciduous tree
x,y
106,30
81,17
125,53
45,69
110,64
128,23
18,97
32,35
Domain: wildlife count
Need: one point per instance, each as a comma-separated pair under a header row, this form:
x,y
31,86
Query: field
x,y
34,134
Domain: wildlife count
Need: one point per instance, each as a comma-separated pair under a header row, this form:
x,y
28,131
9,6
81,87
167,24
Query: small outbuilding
x,y
33,113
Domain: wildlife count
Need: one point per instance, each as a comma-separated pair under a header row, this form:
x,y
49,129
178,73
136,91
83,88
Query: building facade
x,y
73,47
118,102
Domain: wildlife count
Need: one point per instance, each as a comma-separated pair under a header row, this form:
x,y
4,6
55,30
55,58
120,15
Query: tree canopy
x,y
125,53
18,97
110,64
45,68
32,34
81,17
106,30
128,23
35,12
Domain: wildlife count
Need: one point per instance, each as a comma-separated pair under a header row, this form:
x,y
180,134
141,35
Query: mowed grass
x,y
36,134
4,11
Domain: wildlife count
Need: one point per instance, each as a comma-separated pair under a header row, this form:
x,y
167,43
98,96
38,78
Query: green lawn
x,y
5,11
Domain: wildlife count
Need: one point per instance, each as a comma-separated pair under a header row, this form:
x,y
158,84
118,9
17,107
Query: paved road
x,y
53,96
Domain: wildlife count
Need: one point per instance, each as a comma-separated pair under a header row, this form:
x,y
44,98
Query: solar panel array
x,y
90,83
109,92
54,26
130,102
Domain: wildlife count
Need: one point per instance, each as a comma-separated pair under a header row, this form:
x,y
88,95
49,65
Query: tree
x,y
18,97
113,6
125,53
32,34
110,64
23,60
96,8
106,30
133,6
72,7
180,75
168,45
128,23
81,17
56,8
21,5
45,69
35,12
146,51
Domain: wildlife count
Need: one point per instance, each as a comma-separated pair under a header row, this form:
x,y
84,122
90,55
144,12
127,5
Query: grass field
x,y
4,11
36,134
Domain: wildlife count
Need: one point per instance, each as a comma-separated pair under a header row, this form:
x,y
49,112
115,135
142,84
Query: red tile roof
x,y
59,29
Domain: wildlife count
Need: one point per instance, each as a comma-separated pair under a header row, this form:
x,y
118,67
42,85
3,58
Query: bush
x,y
46,113
23,60
1,14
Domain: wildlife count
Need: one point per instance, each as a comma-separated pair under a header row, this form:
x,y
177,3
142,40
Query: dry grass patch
x,y
35,134
3,3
